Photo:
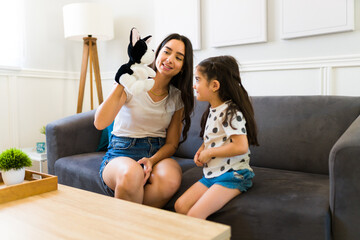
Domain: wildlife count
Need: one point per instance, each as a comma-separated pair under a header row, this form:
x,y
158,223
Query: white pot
x,y
13,176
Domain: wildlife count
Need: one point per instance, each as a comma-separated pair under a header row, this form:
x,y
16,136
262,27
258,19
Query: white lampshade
x,y
84,19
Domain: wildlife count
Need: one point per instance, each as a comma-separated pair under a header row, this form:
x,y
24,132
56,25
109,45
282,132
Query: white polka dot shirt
x,y
217,134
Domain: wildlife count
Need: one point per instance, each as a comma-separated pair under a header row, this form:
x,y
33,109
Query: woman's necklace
x,y
158,95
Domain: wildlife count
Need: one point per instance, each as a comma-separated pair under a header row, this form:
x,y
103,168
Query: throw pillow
x,y
105,138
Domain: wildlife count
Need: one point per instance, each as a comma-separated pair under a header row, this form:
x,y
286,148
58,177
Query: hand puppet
x,y
135,75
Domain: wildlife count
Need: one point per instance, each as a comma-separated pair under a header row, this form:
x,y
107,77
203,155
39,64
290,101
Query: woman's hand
x,y
147,168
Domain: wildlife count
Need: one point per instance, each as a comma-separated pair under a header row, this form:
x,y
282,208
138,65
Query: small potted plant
x,y
12,165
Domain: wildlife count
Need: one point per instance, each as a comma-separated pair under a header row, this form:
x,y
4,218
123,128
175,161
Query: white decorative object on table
x,y
13,176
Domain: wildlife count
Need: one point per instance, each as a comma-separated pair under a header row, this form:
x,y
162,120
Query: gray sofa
x,y
307,167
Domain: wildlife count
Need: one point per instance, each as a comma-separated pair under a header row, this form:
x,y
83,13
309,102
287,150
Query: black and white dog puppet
x,y
135,75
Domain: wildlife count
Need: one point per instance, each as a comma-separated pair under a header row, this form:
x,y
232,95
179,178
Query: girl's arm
x,y
107,111
197,154
238,146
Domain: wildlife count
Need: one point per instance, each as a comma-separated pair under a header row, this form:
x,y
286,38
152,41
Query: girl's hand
x,y
147,168
196,159
204,156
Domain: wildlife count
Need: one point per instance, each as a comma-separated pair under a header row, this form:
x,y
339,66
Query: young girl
x,y
227,127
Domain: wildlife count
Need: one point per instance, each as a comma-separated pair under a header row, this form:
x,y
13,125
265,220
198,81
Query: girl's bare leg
x,y
189,198
212,200
125,176
163,183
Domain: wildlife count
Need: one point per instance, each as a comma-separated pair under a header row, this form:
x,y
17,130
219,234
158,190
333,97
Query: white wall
x,y
45,88
47,49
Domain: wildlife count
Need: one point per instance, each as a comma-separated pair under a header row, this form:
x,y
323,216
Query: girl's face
x,y
202,87
171,58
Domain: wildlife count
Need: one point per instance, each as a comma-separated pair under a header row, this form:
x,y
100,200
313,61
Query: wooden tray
x,y
35,183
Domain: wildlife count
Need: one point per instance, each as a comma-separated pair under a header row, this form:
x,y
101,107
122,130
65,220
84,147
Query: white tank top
x,y
141,117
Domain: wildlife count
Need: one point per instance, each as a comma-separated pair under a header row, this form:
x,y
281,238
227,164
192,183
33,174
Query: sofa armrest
x,y
344,164
71,135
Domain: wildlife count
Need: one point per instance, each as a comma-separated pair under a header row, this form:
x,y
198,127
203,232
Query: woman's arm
x,y
172,141
239,145
172,138
107,111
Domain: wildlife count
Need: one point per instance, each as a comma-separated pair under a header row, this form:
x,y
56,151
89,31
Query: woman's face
x,y
171,58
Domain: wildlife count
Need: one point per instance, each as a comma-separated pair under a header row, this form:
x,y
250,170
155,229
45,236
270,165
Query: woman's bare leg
x,y
125,176
164,181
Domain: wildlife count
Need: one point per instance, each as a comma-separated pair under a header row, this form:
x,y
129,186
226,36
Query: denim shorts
x,y
234,179
135,148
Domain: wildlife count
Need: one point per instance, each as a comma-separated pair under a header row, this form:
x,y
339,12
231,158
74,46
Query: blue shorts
x,y
135,148
234,179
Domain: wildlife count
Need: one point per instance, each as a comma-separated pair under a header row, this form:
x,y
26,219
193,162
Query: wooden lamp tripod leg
x,y
91,76
84,64
95,60
90,49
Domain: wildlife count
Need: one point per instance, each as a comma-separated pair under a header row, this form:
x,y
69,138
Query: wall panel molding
x,y
42,88
185,21
14,111
326,80
301,63
245,22
303,18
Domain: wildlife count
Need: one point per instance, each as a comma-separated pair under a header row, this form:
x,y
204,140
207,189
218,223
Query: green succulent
x,y
43,130
14,159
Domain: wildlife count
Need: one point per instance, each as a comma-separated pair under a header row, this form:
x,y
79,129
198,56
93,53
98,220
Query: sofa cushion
x,y
286,204
81,171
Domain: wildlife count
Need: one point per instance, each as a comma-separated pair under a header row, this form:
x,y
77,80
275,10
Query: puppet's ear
x,y
147,39
134,36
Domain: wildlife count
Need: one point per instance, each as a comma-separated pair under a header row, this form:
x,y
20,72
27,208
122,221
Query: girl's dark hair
x,y
183,80
225,69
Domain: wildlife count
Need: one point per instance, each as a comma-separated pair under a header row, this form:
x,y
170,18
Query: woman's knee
x,y
167,176
129,179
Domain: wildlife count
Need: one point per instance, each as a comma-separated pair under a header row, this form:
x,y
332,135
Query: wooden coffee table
x,y
70,213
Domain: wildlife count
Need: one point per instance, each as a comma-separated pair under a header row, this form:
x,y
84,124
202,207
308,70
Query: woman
x,y
137,166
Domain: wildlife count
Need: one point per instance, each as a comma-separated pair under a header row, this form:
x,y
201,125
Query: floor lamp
x,y
88,22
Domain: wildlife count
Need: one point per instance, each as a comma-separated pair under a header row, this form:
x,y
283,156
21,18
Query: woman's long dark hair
x,y
225,69
183,80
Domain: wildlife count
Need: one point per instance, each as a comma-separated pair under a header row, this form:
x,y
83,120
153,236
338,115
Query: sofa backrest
x,y
298,132
294,132
188,148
